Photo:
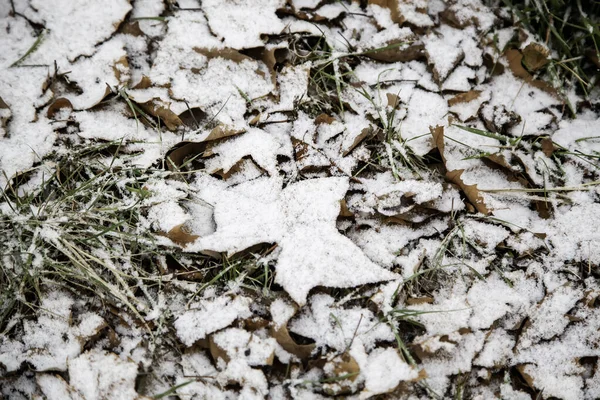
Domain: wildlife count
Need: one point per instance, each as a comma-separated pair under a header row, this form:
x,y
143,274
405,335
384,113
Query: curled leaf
x,y
180,235
535,56
515,64
59,104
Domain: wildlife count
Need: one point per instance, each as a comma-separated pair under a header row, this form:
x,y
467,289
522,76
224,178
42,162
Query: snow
x,y
292,217
384,371
222,15
207,316
316,240
336,327
74,29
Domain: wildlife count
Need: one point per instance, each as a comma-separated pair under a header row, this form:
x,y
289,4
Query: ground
x,y
298,199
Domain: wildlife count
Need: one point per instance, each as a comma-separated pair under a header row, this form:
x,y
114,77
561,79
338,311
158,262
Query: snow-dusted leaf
x,y
335,327
74,29
50,341
222,14
301,220
97,375
263,147
207,316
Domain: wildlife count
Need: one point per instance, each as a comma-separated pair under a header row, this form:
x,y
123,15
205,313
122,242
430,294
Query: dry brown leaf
x,y
222,131
177,156
282,336
180,234
419,300
192,117
464,97
154,108
357,140
324,119
344,211
496,68
548,147
132,28
57,105
345,368
515,59
499,160
226,53
526,377
440,75
470,191
237,167
391,5
300,149
268,56
144,83
5,116
535,56
255,323
120,67
392,100
394,53
217,352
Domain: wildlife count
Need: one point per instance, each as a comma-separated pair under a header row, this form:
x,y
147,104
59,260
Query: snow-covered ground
x,y
295,199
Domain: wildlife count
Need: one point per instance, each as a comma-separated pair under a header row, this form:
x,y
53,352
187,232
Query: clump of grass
x,y
76,227
572,30
329,73
75,223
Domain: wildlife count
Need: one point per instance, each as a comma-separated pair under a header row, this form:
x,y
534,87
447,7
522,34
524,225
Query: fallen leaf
x,y
526,377
470,191
535,56
366,132
301,219
419,300
5,115
131,28
391,5
144,83
180,234
342,371
226,53
54,387
179,154
548,147
395,52
515,64
155,108
58,104
282,335
97,374
464,97
301,149
392,100
344,211
192,117
217,352
324,119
